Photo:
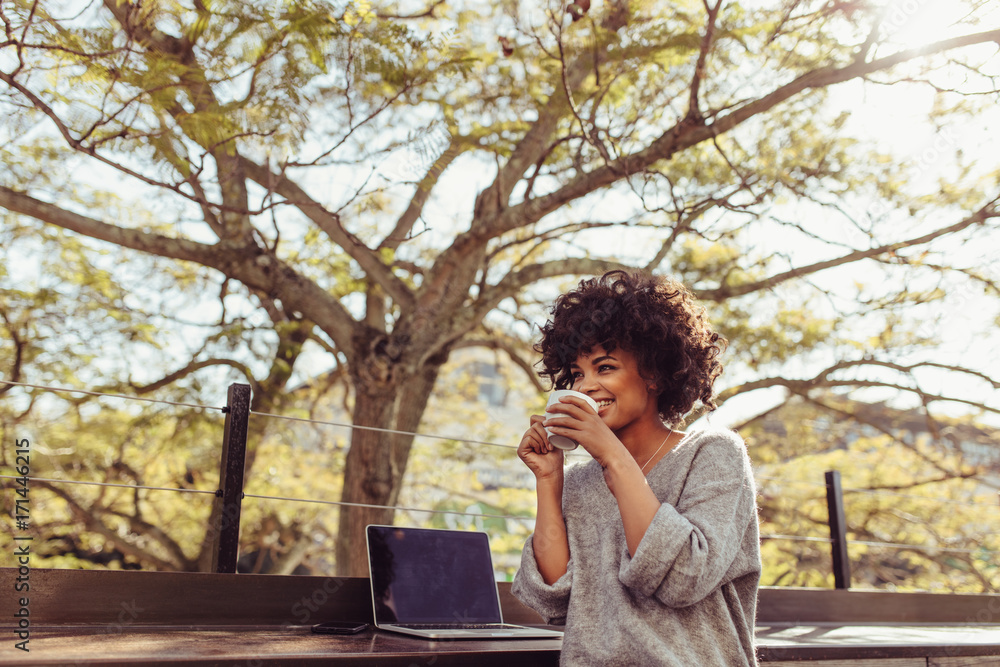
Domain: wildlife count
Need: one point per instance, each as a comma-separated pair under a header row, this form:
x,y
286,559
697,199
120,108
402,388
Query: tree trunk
x,y
376,462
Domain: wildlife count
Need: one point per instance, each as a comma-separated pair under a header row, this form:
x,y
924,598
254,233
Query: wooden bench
x,y
77,617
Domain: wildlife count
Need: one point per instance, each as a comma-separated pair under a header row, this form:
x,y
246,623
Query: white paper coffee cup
x,y
561,441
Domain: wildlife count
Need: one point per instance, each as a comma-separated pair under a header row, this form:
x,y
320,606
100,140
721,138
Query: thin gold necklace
x,y
643,468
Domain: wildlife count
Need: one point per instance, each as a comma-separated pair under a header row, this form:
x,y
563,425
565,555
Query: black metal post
x,y
234,450
838,530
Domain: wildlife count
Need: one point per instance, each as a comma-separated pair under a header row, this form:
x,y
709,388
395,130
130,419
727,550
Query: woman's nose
x,y
584,383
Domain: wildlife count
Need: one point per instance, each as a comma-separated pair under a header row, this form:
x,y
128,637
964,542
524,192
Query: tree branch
x,y
694,110
861,419
683,224
495,343
685,135
514,281
823,380
164,246
910,368
90,151
89,518
723,293
412,213
533,144
196,366
142,527
195,83
129,18
250,265
427,13
329,223
15,371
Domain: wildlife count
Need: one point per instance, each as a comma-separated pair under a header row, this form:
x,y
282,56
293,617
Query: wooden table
x,y
264,646
872,645
255,646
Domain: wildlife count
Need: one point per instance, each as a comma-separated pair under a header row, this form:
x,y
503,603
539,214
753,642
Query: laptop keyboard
x,y
459,626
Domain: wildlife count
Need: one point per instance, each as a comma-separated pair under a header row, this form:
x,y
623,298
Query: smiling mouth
x,y
605,403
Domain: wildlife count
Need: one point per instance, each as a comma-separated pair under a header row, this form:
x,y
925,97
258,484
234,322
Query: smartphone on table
x,y
340,628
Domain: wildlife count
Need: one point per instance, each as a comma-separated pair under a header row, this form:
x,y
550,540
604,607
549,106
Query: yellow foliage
x,y
910,524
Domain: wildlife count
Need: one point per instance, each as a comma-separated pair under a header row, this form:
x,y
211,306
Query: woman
x,y
649,553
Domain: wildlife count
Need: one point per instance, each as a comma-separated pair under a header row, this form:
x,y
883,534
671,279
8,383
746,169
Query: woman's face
x,y
614,382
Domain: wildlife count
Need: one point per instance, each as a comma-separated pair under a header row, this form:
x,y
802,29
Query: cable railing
x,y
401,508
108,484
515,517
377,429
318,501
794,538
237,410
881,492
100,394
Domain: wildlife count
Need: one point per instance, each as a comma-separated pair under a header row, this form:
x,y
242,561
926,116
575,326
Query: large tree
x,y
388,181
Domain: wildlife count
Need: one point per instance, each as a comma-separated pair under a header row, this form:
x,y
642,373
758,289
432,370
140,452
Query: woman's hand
x,y
544,460
575,419
549,539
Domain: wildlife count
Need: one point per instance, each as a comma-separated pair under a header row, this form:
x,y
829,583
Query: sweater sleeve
x,y
550,601
690,549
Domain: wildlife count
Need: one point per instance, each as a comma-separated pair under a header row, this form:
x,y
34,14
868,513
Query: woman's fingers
x,y
538,428
571,407
537,453
535,439
570,417
579,403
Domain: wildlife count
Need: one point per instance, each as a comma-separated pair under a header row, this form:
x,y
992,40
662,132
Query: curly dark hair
x,y
654,318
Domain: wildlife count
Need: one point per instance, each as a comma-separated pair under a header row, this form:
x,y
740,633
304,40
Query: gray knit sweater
x,y
689,596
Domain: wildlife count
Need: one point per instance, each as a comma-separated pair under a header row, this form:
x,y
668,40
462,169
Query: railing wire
x,y
880,492
122,486
108,395
392,507
383,430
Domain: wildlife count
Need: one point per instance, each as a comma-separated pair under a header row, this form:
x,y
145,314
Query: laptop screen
x,y
422,575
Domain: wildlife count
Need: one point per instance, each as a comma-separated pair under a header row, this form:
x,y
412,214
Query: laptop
x,y
438,584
